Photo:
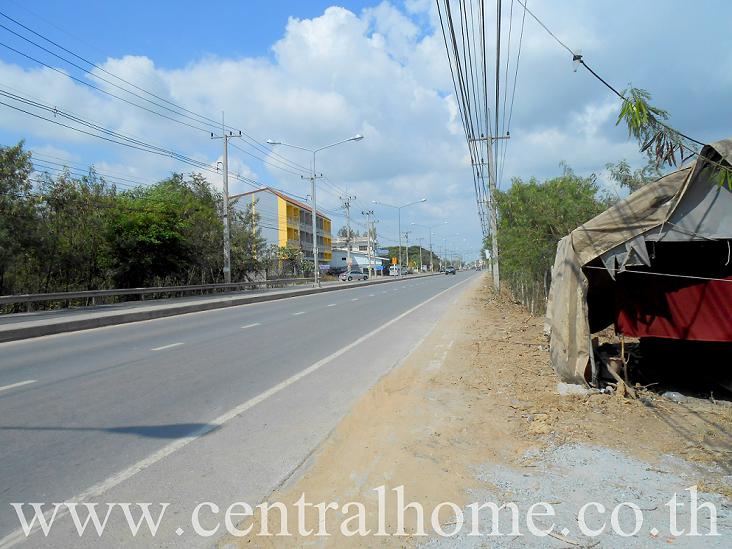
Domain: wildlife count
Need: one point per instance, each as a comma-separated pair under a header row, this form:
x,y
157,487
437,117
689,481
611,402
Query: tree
x,y
343,232
167,233
72,221
247,244
534,216
647,124
626,177
17,205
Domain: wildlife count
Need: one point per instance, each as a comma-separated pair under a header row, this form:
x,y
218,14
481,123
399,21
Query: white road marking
x,y
371,295
355,299
118,478
298,313
19,384
331,305
251,325
167,346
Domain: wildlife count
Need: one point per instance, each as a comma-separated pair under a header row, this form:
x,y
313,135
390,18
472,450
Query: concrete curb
x,y
50,328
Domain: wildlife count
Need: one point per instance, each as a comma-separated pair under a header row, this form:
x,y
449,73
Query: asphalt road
x,y
221,404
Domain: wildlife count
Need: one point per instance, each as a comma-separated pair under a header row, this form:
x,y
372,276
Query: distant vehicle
x,y
353,274
394,270
450,271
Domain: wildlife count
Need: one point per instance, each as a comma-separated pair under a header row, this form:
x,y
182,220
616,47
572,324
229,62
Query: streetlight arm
x,y
385,204
271,142
415,202
356,137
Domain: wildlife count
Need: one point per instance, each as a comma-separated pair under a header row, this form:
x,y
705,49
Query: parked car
x,y
450,271
394,270
353,274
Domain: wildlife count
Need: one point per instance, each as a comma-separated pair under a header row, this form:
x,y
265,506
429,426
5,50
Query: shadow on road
x,y
171,431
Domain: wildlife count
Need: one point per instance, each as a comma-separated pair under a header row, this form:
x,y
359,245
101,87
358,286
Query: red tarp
x,y
667,307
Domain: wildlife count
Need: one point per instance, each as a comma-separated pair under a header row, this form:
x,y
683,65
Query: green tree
x,y
534,216
248,256
647,124
71,223
630,179
164,234
17,214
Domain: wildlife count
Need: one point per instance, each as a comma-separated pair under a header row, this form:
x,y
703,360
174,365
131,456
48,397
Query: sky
x,y
312,73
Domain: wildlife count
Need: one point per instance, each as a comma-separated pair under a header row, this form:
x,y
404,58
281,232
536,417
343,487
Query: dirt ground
x,y
473,415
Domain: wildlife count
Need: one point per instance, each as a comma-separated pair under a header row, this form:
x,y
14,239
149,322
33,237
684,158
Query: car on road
x,y
353,274
450,271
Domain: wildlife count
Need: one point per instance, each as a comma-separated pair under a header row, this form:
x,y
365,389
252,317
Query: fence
x,y
9,303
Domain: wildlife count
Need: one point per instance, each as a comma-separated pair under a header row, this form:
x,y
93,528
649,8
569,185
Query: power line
x,y
513,93
579,59
114,137
185,112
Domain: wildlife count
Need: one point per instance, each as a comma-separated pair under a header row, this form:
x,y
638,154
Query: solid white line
x,y
167,346
19,384
298,313
106,485
250,325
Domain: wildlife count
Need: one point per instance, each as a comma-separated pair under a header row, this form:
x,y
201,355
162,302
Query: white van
x,y
394,270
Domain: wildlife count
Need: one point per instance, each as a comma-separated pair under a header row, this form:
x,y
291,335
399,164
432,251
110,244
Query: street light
x,y
444,243
430,227
357,137
399,216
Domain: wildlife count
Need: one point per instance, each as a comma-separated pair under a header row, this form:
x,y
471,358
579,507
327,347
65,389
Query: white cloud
x,y
383,73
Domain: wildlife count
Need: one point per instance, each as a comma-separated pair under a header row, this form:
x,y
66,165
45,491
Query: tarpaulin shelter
x,y
656,264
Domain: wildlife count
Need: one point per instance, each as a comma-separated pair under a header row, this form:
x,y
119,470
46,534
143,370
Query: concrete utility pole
x,y
492,209
369,242
227,224
349,239
420,239
406,244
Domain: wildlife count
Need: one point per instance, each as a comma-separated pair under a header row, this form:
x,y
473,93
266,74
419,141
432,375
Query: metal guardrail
x,y
142,292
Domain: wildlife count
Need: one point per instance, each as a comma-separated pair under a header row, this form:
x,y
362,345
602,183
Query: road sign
x,y
393,260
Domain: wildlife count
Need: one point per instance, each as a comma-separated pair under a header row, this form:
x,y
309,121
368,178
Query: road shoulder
x,y
472,415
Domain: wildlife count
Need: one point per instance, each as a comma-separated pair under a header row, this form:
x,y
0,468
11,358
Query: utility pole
x,y
349,238
492,209
369,246
313,178
227,225
420,239
406,245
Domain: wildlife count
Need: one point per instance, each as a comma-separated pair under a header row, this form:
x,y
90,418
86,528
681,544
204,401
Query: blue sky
x,y
312,73
172,33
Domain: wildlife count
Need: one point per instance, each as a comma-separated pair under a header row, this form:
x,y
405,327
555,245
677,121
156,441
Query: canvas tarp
x,y
567,318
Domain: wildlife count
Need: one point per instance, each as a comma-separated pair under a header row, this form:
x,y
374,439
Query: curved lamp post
x,y
430,227
399,216
313,177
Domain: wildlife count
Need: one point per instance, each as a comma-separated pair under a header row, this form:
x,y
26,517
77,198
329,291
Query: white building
x,y
358,259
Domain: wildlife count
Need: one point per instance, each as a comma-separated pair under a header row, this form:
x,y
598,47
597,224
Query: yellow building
x,y
285,221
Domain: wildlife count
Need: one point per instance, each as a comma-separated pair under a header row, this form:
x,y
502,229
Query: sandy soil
x,y
473,415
